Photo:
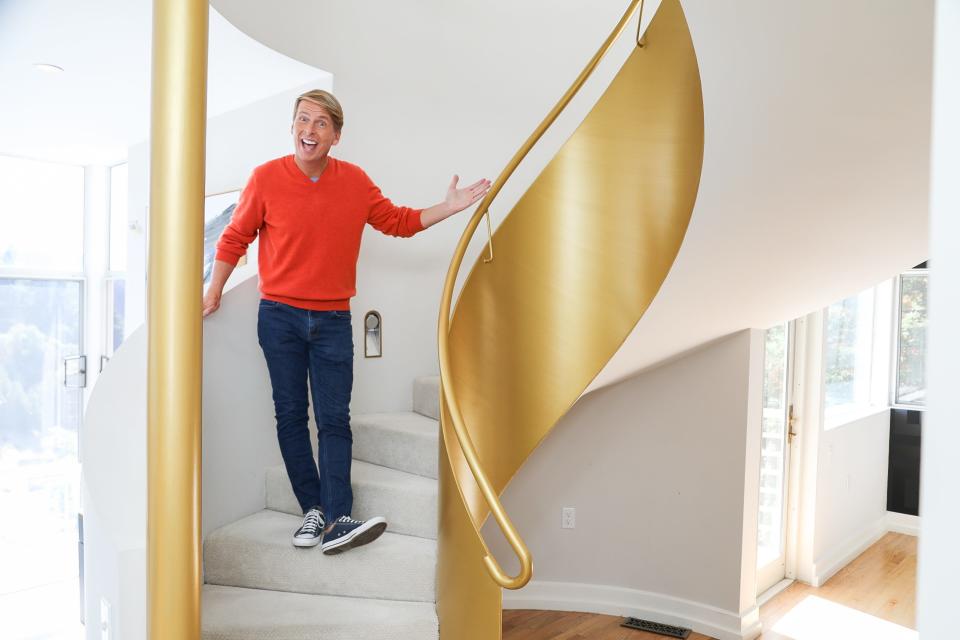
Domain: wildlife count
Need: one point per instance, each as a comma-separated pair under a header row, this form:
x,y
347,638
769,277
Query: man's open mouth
x,y
307,144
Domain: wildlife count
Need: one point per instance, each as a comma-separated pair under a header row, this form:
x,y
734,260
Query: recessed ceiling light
x,y
48,68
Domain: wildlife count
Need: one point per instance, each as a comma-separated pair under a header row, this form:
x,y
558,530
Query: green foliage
x,y
911,360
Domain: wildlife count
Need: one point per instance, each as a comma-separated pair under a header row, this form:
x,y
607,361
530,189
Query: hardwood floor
x,y
880,582
561,625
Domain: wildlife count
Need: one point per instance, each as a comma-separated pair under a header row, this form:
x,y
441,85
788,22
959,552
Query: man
x,y
310,210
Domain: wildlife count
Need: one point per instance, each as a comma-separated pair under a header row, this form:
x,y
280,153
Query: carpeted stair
x,y
260,587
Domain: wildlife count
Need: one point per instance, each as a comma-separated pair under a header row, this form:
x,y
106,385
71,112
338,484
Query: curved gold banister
x,y
449,396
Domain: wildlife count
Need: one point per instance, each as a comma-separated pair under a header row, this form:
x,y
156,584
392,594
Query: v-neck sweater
x,y
310,231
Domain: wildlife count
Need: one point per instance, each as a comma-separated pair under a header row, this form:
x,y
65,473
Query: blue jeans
x,y
298,345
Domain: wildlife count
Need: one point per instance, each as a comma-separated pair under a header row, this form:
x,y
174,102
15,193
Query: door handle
x,y
791,434
81,372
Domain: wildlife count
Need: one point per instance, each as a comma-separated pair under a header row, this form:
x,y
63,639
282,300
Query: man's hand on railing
x,y
211,301
221,273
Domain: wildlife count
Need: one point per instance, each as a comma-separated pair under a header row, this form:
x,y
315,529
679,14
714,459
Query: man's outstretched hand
x,y
456,201
460,199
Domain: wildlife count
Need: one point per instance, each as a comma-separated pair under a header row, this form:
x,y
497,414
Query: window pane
x,y
911,360
41,215
118,218
115,314
39,326
773,446
39,418
849,341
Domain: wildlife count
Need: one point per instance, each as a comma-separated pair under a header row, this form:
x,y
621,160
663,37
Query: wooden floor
x,y
880,582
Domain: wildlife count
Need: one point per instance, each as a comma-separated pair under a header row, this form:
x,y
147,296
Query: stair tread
x,y
407,421
371,473
362,472
407,500
233,613
257,552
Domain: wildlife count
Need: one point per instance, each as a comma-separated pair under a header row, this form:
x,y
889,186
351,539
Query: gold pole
x,y
178,131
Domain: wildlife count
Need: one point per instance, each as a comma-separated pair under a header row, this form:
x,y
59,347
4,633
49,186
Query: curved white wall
x,y
113,446
239,443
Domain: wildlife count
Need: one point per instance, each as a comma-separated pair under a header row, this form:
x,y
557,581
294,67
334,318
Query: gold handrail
x,y
443,327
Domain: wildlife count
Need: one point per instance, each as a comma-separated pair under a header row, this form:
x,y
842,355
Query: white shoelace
x,y
348,520
311,522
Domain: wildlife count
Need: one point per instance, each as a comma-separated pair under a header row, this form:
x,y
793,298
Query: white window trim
x,y
895,343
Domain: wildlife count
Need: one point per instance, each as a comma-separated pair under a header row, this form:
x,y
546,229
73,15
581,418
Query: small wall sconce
x,y
372,335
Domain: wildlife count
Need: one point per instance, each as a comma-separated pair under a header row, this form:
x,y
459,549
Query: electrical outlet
x,y
568,518
104,619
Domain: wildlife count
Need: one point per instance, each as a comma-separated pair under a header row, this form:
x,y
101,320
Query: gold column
x,y
178,131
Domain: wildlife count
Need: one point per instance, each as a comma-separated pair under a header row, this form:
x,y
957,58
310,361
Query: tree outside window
x,y
911,354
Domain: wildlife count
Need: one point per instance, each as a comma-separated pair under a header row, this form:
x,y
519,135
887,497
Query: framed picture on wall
x,y
217,213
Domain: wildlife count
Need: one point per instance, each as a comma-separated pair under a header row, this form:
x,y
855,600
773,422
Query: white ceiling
x,y
816,175
100,105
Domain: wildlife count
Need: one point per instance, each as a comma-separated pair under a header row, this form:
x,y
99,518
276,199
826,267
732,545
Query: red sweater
x,y
310,231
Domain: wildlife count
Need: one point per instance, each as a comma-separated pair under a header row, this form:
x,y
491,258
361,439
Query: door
x,y
40,413
776,441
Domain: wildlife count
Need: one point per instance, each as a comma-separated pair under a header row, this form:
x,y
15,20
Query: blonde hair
x,y
326,100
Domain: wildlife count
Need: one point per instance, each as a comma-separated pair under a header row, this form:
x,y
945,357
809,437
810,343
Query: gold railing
x,y
448,393
578,260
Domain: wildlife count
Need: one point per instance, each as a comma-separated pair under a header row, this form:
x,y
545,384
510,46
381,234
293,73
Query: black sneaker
x,y
310,532
348,533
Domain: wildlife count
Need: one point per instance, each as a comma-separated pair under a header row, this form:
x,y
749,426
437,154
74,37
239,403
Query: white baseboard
x,y
826,566
774,591
902,523
619,601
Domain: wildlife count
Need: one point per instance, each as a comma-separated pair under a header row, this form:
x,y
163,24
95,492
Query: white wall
x,y
851,495
939,558
114,441
239,443
239,429
663,470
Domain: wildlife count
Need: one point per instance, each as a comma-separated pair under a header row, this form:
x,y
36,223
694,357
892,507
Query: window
x,y
848,350
773,446
115,282
42,304
114,317
911,384
42,216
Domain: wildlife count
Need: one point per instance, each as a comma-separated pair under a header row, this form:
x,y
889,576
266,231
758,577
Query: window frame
x,y
110,271
921,269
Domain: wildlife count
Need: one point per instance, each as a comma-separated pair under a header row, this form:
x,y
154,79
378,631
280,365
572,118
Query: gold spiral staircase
x,y
568,275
